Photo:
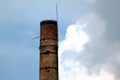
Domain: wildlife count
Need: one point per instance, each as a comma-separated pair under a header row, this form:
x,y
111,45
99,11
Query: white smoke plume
x,y
76,51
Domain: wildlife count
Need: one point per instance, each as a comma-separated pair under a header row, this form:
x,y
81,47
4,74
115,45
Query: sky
x,y
89,42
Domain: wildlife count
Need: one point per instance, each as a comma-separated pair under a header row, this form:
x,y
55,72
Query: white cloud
x,y
80,73
74,43
95,25
75,38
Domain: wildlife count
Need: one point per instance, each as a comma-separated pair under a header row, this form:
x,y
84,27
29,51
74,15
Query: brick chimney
x,y
48,50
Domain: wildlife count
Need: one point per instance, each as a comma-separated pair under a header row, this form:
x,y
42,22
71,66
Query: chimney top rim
x,y
48,22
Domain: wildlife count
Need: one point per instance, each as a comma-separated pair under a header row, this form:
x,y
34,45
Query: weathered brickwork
x,y
49,74
48,60
48,42
48,50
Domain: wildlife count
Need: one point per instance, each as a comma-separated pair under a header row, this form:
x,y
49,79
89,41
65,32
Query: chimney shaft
x,y
48,50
